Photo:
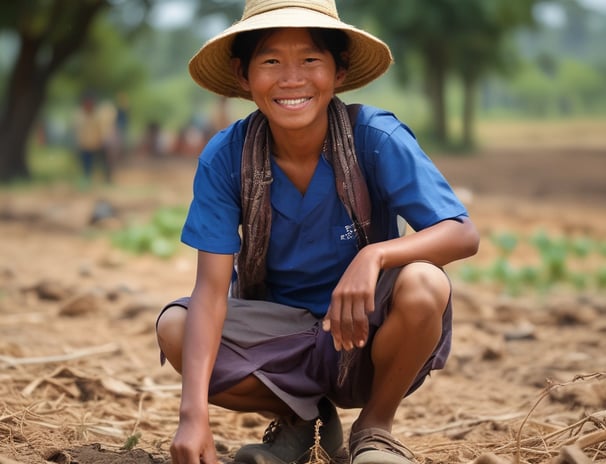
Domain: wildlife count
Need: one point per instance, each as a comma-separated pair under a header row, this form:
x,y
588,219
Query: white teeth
x,y
292,101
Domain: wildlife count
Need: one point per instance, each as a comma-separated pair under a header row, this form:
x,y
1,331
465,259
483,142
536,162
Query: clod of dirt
x,y
51,290
7,272
135,309
81,305
95,454
566,314
58,456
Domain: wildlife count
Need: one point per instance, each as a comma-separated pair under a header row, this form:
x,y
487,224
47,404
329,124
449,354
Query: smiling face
x,y
291,79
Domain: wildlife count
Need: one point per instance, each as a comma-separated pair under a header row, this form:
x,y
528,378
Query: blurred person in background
x,y
220,115
122,125
90,133
108,115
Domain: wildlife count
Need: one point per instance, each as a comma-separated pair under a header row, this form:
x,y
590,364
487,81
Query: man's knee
x,y
421,292
169,332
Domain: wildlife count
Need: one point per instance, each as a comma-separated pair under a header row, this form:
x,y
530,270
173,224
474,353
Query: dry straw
x,y
115,419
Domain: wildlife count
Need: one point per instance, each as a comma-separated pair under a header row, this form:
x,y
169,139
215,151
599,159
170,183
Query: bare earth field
x,y
80,380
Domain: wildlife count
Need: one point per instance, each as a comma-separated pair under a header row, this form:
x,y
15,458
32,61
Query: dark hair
x,y
334,41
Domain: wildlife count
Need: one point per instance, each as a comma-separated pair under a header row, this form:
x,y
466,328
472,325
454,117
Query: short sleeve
x,y
405,180
214,214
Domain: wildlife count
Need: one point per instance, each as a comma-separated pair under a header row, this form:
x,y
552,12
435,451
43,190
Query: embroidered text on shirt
x,y
350,233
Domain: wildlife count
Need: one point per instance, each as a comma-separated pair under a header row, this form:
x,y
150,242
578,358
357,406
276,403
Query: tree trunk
x,y
25,94
13,154
435,69
469,109
39,58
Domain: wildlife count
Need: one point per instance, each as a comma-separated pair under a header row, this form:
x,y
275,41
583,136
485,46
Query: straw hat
x,y
211,68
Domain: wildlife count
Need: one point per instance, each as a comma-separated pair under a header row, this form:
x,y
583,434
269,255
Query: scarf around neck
x,y
256,179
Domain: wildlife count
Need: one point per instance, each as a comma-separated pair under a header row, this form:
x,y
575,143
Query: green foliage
x,y
50,165
131,441
158,102
106,66
37,18
468,39
554,260
159,236
158,89
566,88
533,92
505,242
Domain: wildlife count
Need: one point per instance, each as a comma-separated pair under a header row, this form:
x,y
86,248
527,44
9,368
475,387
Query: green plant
x,y
506,242
559,260
131,441
159,236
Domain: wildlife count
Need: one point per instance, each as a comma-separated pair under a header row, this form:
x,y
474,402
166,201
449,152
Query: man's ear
x,y
236,65
342,71
340,77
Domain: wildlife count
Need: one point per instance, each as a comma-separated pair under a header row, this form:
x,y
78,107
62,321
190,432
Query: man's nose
x,y
292,74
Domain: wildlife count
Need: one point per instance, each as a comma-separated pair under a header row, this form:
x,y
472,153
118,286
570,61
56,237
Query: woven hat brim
x,y
211,66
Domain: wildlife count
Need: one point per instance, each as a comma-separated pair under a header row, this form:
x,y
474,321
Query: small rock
x,y
524,331
574,315
7,272
112,260
85,270
51,290
81,305
102,211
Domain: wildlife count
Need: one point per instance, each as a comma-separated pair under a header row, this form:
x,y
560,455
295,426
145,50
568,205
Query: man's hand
x,y
352,300
193,444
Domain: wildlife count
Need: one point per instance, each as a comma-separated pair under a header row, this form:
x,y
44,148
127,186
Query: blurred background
x,y
461,69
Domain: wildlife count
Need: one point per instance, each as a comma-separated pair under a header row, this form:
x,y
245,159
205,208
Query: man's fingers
x,y
347,320
360,323
332,322
327,327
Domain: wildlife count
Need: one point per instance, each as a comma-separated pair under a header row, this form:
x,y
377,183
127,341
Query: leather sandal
x,y
377,446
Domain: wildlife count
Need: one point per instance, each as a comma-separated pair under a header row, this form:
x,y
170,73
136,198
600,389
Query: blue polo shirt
x,y
312,237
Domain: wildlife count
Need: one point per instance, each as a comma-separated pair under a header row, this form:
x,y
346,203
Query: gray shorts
x,y
296,359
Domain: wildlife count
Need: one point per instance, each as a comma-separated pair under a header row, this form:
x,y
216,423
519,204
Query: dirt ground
x,y
80,380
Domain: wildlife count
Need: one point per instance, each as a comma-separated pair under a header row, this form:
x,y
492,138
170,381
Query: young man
x,y
306,295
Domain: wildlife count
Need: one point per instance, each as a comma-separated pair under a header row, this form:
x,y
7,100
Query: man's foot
x,y
377,446
292,441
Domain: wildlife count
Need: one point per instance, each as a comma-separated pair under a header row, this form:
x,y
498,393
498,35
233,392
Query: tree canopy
x,y
462,37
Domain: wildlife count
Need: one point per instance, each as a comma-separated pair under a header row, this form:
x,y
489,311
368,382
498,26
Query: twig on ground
x,y
160,388
103,349
591,439
463,424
